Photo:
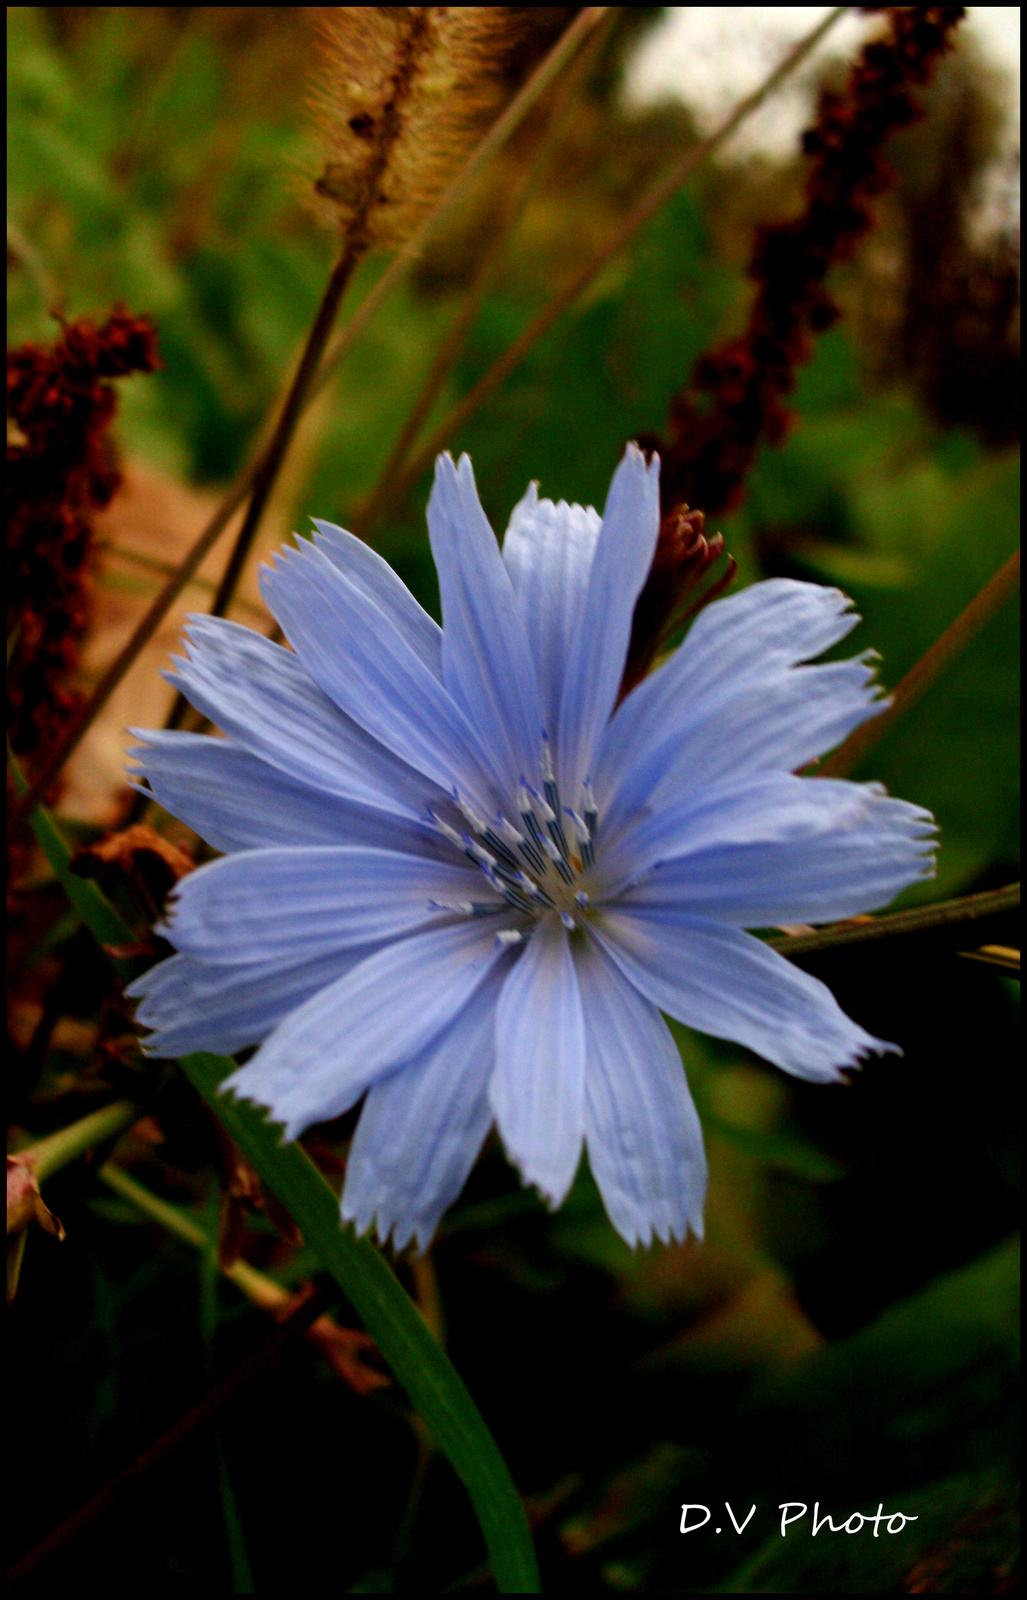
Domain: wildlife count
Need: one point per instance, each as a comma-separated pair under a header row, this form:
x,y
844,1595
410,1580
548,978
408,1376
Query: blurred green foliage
x,y
844,1335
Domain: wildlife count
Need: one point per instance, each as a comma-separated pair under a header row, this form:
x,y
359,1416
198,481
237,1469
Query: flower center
x,y
537,866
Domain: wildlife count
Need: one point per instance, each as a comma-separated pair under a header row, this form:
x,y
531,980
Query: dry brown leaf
x,y
24,1201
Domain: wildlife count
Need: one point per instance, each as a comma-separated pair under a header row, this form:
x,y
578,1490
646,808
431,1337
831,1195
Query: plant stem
x,y
256,1286
274,454
456,336
493,141
498,135
658,194
58,1150
920,919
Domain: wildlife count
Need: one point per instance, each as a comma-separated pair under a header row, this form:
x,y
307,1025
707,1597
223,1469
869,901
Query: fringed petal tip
x,y
552,1192
649,460
660,1220
414,1233
859,1055
646,1235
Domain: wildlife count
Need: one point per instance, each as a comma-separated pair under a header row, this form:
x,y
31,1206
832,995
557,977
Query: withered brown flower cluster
x,y
735,399
61,469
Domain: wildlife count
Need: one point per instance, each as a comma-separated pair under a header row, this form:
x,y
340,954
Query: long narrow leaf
x,y
418,1362
399,1330
94,908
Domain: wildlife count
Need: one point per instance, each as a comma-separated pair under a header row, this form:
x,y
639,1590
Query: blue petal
x,y
624,553
199,1005
775,724
368,572
880,849
770,809
721,981
282,903
486,661
548,553
264,699
236,801
383,1013
777,623
421,1129
538,1088
747,639
642,1131
358,658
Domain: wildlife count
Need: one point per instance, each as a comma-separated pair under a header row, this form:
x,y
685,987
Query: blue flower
x,y
458,881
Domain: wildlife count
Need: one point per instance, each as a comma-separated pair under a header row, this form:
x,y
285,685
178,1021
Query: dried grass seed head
x,y
401,94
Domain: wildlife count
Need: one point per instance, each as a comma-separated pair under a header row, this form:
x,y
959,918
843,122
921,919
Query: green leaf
x,y
960,1543
925,1389
420,1365
96,911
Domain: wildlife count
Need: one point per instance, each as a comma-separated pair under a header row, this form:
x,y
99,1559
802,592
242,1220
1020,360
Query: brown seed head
x,y
683,557
401,95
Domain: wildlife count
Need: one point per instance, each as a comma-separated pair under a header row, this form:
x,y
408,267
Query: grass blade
x,y
417,1361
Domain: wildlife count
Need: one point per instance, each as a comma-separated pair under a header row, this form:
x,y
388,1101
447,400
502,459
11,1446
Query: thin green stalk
x,y
94,908
648,206
501,131
950,644
255,1285
920,919
60,1149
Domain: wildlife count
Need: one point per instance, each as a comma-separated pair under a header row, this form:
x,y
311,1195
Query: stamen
x,y
534,845
491,837
485,831
559,861
588,805
581,900
477,823
568,921
478,853
466,908
541,807
509,936
512,895
534,857
446,831
583,838
508,833
552,795
529,886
